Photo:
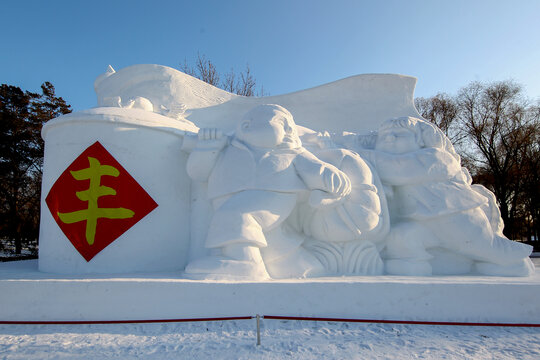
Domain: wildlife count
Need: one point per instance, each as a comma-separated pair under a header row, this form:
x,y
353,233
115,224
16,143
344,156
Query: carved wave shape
x,y
350,258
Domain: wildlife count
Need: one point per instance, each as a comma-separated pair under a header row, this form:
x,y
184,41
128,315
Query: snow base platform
x,y
27,295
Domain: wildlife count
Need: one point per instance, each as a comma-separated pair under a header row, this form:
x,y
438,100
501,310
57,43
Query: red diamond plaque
x,y
95,200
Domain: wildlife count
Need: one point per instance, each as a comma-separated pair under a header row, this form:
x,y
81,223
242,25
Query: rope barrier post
x,y
258,317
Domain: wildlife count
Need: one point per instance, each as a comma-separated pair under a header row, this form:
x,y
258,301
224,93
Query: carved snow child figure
x,y
438,221
346,233
255,180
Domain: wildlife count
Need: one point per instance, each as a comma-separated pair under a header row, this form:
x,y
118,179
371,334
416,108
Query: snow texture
x,y
279,340
31,295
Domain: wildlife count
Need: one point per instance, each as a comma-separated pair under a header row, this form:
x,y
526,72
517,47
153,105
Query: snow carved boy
x,y
434,209
255,180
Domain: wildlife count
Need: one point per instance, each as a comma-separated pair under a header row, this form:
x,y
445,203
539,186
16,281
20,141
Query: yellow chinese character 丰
x,y
95,191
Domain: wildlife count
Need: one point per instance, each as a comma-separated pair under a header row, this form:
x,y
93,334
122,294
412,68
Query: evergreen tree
x,y
22,115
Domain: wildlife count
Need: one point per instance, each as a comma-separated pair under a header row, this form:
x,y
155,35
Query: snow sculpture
x,y
270,196
255,185
439,222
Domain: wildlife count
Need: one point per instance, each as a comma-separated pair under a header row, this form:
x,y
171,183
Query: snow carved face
x,y
269,127
396,140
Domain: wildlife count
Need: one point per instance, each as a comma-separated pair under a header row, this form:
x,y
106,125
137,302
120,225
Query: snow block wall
x,y
148,147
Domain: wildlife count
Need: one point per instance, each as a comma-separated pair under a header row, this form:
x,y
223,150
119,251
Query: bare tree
x,y
531,194
503,129
229,84
442,110
246,84
207,71
242,84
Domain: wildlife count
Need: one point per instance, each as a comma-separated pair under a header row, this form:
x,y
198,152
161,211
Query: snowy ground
x,y
279,339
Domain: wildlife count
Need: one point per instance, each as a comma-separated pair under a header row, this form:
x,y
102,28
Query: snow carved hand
x,y
211,138
337,182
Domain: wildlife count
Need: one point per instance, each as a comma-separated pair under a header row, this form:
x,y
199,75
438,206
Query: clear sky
x,y
289,45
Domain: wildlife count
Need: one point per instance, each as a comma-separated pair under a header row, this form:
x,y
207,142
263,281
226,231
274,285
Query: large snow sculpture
x,y
438,219
256,183
263,197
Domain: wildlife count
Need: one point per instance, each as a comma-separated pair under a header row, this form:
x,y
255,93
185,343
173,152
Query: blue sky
x,y
289,45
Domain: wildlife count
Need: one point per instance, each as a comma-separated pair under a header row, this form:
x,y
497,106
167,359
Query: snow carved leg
x,y
237,233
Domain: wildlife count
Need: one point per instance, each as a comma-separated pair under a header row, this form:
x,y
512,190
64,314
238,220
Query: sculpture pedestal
x,y
29,295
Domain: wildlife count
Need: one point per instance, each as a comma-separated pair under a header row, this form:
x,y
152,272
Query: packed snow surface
x,y
279,340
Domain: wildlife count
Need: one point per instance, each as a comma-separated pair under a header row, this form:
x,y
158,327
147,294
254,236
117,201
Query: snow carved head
x,y
269,126
406,134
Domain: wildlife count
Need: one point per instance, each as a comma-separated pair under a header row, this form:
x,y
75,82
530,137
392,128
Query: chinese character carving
x,y
91,195
95,201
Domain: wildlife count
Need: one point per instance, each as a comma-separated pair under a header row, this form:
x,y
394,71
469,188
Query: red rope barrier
x,y
408,322
91,322
269,317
